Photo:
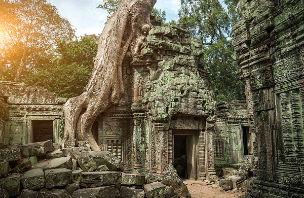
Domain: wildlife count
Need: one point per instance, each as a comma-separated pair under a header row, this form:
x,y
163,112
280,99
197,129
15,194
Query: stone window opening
x,y
219,148
42,130
247,141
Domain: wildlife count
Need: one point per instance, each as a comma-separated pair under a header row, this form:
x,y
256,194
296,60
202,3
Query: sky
x,y
87,19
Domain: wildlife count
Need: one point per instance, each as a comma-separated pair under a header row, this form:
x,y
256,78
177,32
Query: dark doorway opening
x,y
95,130
245,139
180,155
42,130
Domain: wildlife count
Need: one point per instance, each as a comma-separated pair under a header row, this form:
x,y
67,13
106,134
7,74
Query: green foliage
x,y
69,72
211,22
28,30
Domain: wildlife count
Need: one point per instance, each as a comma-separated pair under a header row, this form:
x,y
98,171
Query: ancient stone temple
x,y
28,114
167,112
269,42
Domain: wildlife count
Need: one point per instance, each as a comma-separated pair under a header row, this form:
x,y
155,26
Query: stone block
x,y
87,164
62,162
71,188
23,165
100,158
132,193
10,154
57,177
11,184
99,192
60,193
102,168
55,154
4,167
132,179
97,179
76,174
155,189
26,193
37,148
235,180
33,179
226,184
4,193
227,171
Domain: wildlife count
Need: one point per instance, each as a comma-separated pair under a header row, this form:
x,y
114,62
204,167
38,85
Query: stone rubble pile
x,y
37,170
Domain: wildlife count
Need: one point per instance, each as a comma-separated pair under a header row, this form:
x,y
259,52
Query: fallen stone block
x,y
155,189
62,162
4,193
4,167
226,184
87,164
132,193
57,177
235,180
227,171
101,158
99,192
37,148
26,193
55,154
60,193
33,179
132,179
10,154
23,165
97,179
102,168
11,184
76,174
71,188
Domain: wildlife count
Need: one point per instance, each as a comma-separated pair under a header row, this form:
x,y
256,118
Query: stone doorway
x,y
42,130
185,153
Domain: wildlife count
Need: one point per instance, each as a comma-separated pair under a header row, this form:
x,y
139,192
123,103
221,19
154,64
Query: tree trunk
x,y
123,31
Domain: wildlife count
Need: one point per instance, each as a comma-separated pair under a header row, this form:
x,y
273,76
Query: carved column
x,y
162,150
210,147
139,141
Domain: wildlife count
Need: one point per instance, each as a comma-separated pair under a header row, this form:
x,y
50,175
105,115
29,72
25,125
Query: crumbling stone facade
x,y
166,97
233,140
269,42
28,114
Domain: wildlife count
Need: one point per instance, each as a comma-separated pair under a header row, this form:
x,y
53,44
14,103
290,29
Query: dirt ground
x,y
199,189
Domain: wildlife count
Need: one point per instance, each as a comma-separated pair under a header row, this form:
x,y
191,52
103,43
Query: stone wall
x,y
30,110
3,117
269,42
233,140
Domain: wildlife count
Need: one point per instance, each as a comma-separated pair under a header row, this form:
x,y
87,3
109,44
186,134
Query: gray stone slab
x,y
109,192
71,188
132,193
37,148
97,179
10,154
155,189
62,162
4,193
4,167
26,193
86,193
132,179
33,179
11,184
57,177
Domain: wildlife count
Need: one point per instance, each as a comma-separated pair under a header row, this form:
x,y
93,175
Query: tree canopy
x,y
29,31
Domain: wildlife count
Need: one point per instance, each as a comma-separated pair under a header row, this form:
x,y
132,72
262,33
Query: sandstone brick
x,y
132,193
4,167
37,148
97,179
62,162
10,153
132,179
26,193
11,184
57,177
33,179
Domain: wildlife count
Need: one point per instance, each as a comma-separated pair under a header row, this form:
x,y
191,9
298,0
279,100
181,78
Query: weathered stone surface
x,y
226,184
4,167
3,193
10,154
172,179
55,154
235,180
62,162
96,179
132,193
33,179
155,189
93,159
57,177
76,174
37,148
11,184
132,179
71,188
100,192
60,193
102,168
26,193
23,165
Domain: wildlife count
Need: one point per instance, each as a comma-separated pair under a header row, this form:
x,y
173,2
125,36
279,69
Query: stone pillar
x,y
139,141
210,148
